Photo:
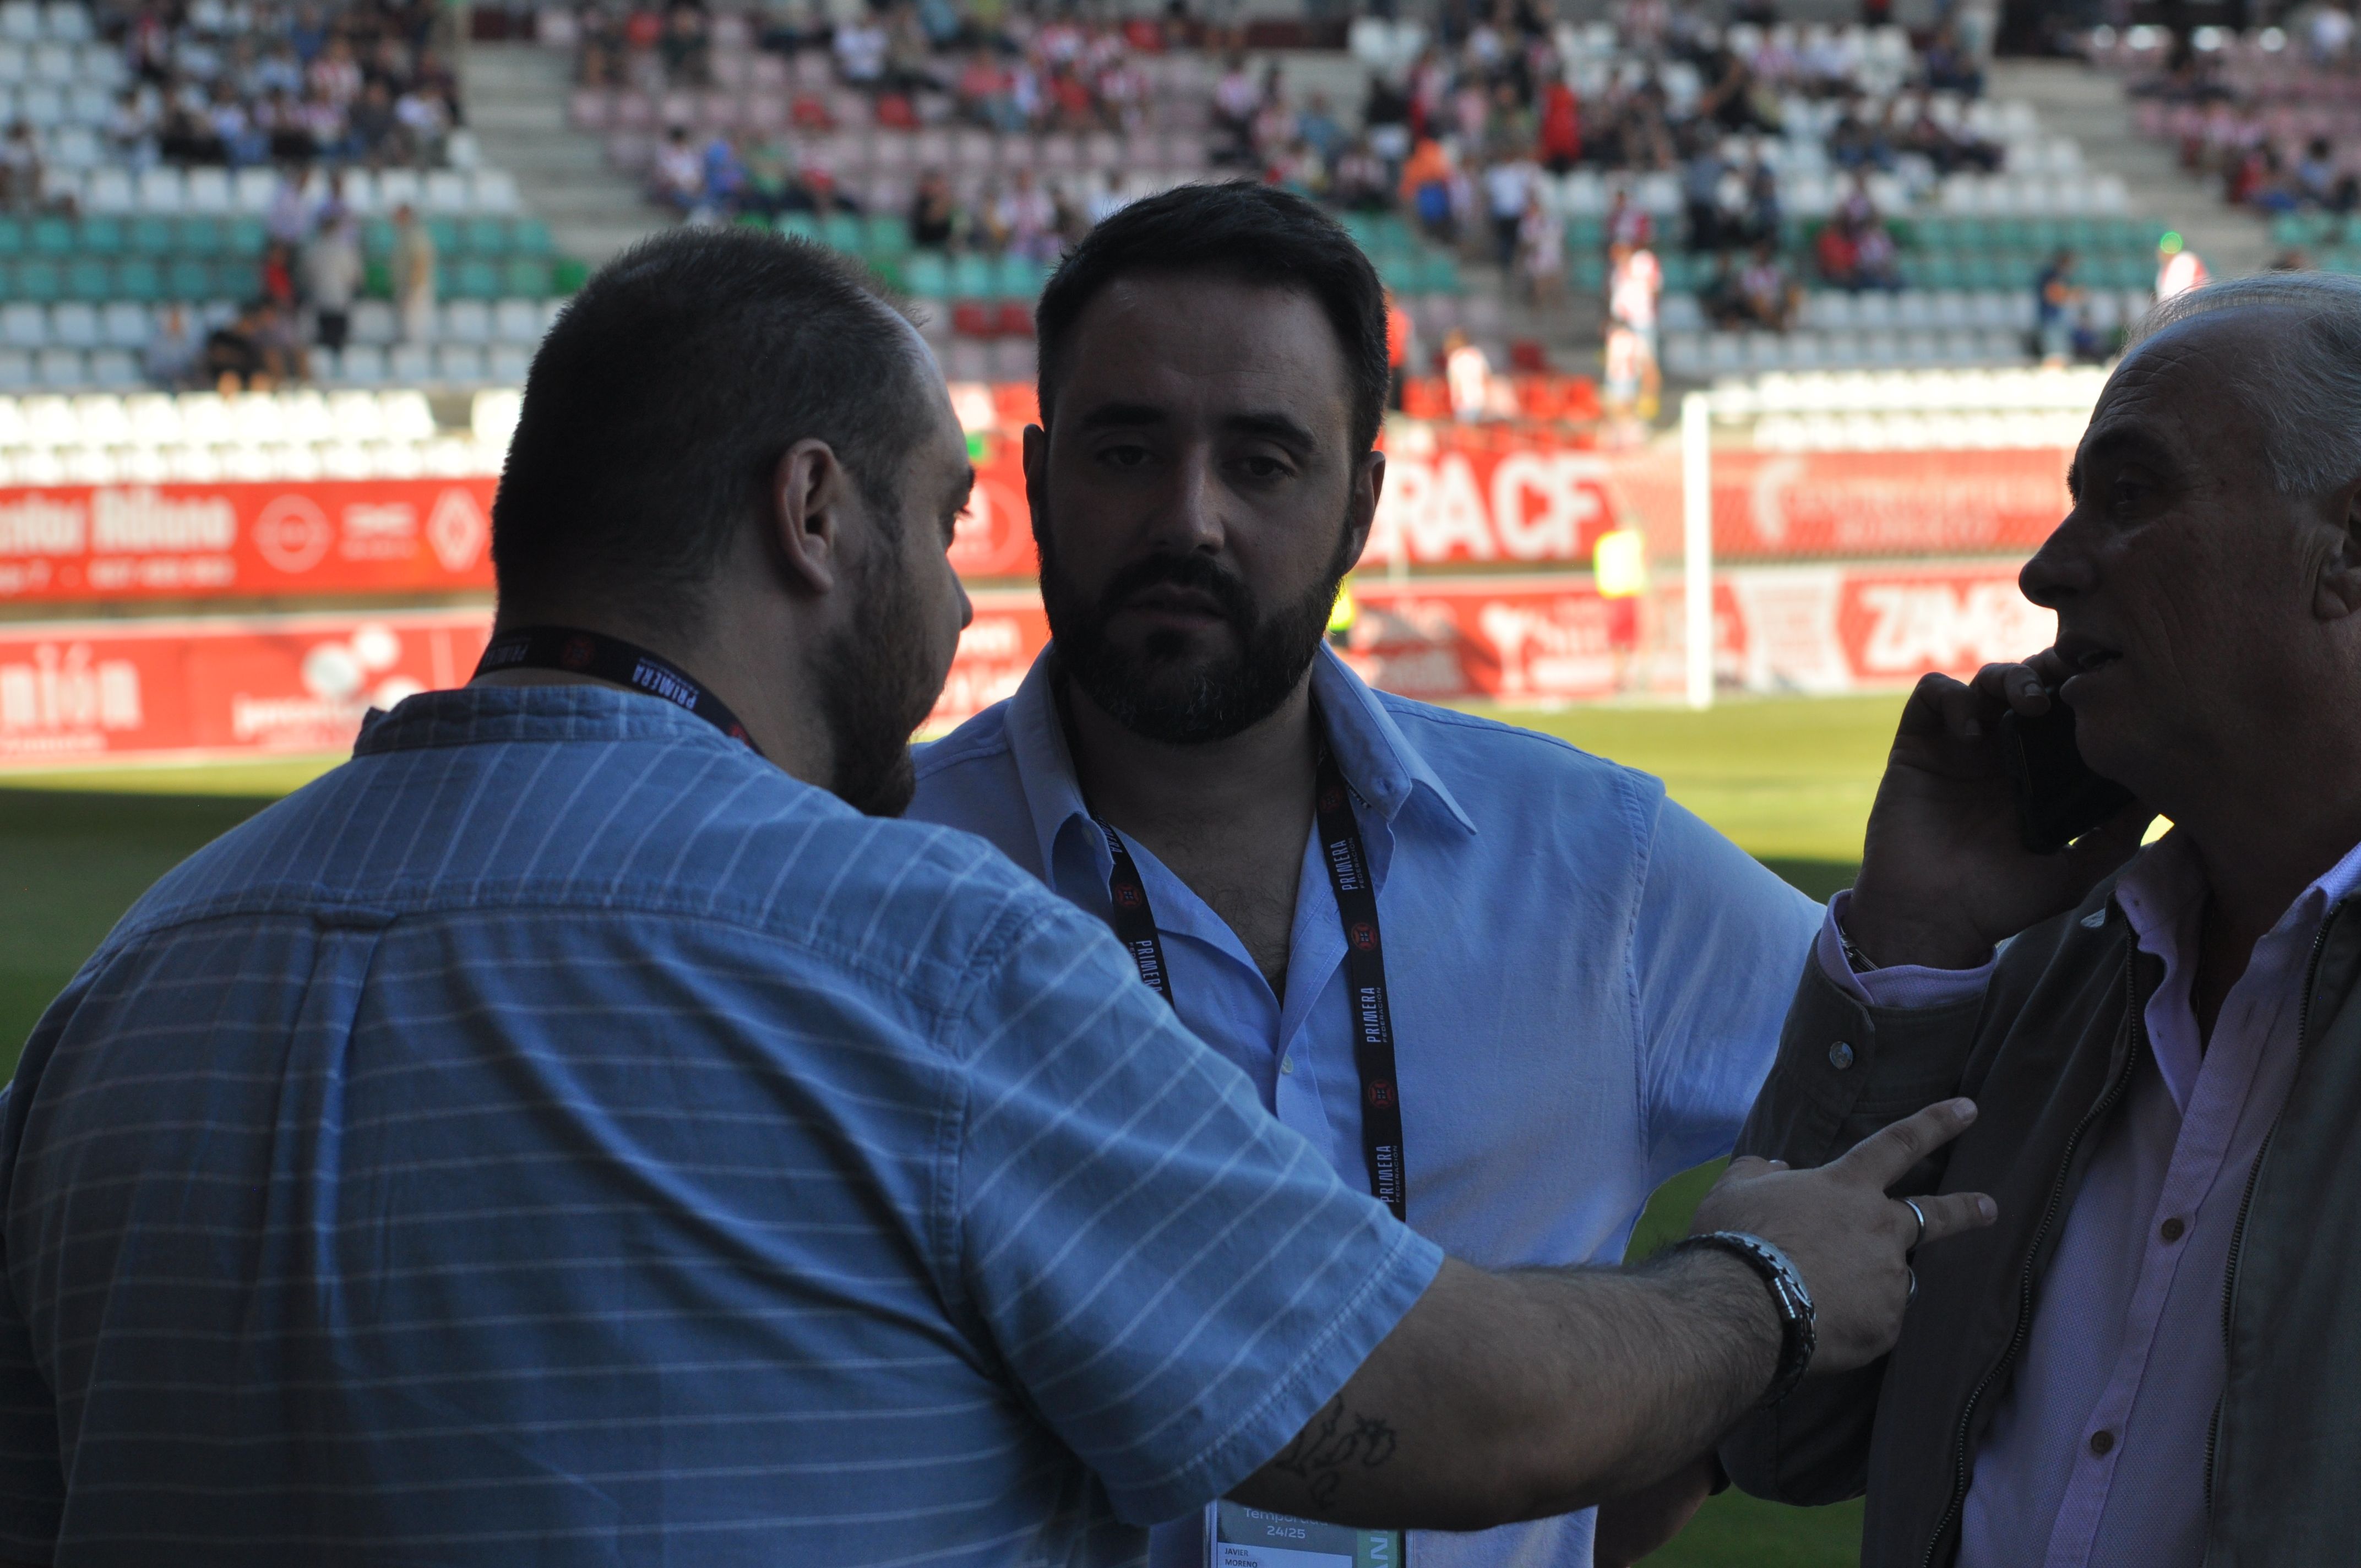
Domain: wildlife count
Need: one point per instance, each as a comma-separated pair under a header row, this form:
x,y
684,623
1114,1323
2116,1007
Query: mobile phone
x,y
2058,798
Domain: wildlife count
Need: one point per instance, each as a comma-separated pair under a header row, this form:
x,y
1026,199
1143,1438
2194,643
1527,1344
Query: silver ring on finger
x,y
1920,1215
1914,1285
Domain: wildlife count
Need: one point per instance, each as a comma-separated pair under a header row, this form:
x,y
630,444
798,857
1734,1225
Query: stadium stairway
x,y
2089,105
516,105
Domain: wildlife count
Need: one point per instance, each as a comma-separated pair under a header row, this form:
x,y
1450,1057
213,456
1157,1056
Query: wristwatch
x,y
1798,1337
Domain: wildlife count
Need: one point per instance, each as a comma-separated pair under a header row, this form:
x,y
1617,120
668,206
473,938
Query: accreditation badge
x,y
1240,1537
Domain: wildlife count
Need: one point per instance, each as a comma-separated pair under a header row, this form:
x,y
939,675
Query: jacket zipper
x,y
2254,1179
2090,1118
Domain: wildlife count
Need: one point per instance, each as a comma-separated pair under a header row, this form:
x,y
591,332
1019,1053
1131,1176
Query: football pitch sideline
x,y
1790,780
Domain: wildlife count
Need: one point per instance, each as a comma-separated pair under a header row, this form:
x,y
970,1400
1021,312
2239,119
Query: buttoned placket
x,y
2211,1102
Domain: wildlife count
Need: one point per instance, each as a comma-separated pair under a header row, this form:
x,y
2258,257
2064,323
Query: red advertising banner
x,y
1552,639
91,690
1450,497
79,692
1767,505
189,541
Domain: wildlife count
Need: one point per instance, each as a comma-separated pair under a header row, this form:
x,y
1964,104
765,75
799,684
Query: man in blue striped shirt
x,y
572,1133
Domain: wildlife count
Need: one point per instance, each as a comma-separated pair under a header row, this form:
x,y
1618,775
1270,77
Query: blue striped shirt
x,y
559,1137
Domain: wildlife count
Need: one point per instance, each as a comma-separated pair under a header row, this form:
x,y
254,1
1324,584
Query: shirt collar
x,y
2163,890
1376,757
467,715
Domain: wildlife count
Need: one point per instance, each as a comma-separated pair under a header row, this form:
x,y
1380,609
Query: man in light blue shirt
x,y
572,1131
1586,984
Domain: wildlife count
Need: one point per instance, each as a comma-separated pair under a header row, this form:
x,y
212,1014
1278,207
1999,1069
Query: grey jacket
x,y
2047,1052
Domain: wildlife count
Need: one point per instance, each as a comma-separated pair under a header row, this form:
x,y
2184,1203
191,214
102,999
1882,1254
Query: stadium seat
x,y
208,190
516,321
373,321
362,365
467,321
89,278
125,325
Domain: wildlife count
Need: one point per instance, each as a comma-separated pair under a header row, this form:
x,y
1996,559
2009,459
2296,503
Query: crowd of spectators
x,y
212,82
2267,116
918,63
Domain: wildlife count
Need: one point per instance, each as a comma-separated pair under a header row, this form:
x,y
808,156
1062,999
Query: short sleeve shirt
x,y
559,1135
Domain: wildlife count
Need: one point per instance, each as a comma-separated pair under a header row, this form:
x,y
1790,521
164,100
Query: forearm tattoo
x,y
1334,1441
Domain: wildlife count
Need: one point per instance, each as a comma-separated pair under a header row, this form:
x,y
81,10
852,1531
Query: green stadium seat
x,y
973,278
800,225
445,233
842,231
139,278
89,278
487,237
12,237
245,238
1588,271
188,279
53,237
235,280
525,278
1017,278
566,276
377,239
376,279
472,278
201,238
1936,269
38,278
1585,232
1441,274
530,236
102,235
886,237
152,236
927,275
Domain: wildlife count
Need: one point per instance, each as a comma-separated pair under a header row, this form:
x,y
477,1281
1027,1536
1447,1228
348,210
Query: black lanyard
x,y
610,659
1365,969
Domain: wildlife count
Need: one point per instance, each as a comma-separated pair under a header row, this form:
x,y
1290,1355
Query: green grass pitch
x,y
1789,780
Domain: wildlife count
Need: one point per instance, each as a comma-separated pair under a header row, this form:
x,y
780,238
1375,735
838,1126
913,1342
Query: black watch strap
x,y
1798,1336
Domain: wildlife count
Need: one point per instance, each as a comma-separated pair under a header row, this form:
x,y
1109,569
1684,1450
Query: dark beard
x,y
1212,703
875,690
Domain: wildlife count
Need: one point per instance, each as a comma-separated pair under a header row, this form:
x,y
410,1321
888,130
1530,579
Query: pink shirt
x,y
2096,1453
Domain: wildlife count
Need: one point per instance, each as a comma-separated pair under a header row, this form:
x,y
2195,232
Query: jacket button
x,y
1841,1056
2172,1229
2103,1443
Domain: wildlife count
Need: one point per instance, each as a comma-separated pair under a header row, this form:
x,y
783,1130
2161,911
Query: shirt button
x,y
2102,1442
1287,1065
2172,1229
1841,1056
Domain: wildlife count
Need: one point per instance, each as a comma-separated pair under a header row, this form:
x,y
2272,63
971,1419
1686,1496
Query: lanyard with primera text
x,y
610,659
1365,969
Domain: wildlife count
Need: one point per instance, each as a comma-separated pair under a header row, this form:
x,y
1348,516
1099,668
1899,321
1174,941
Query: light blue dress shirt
x,y
559,1137
1588,983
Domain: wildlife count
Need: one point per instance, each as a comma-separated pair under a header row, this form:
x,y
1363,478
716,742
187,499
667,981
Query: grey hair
x,y
2305,390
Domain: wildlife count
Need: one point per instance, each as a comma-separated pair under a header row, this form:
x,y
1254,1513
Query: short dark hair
x,y
1241,230
660,403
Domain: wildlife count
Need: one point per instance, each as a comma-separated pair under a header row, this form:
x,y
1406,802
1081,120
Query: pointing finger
x,y
1950,1213
1881,1158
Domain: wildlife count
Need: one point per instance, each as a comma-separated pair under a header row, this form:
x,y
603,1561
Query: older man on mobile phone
x,y
1506,986
2154,1359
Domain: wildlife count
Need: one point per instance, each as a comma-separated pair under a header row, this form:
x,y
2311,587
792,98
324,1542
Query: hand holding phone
x,y
2058,798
